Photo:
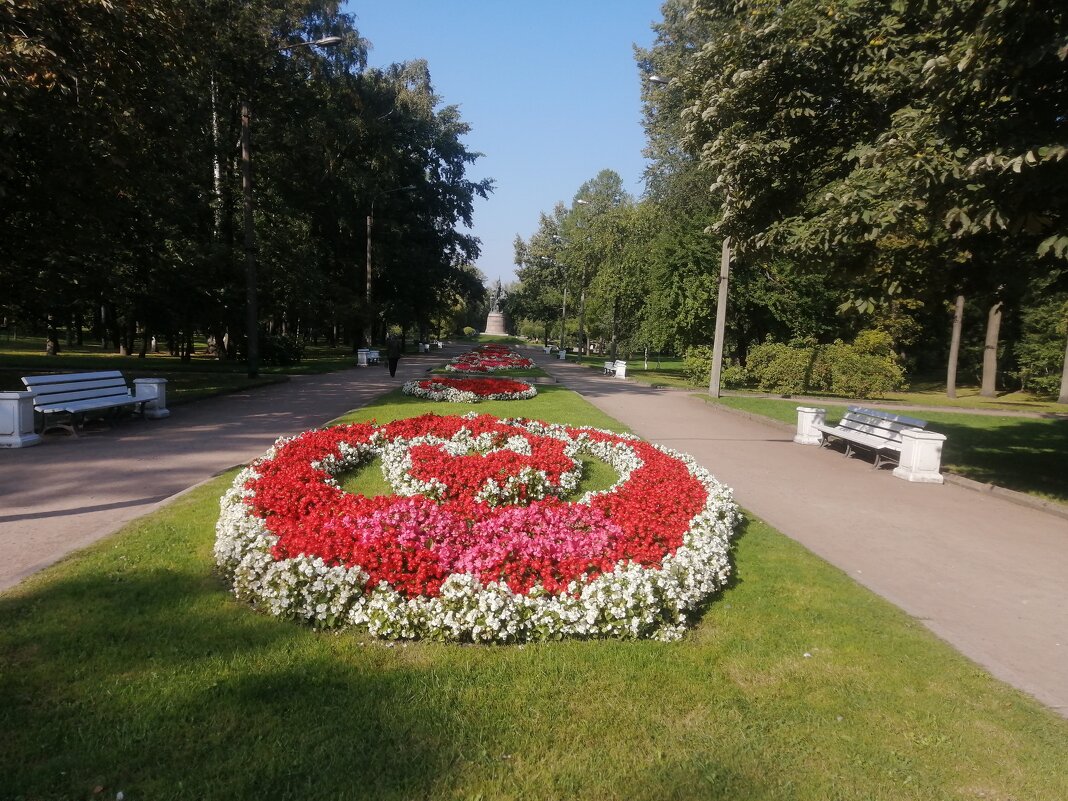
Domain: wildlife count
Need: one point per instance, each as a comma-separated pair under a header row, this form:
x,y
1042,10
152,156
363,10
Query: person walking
x,y
393,353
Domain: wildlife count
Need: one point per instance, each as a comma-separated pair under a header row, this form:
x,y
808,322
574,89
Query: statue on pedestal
x,y
495,320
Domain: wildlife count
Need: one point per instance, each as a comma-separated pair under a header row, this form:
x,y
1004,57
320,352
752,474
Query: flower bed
x,y
488,359
479,542
469,390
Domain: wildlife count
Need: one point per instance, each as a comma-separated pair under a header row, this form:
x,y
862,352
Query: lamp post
x,y
252,329
721,299
721,318
563,283
368,325
583,346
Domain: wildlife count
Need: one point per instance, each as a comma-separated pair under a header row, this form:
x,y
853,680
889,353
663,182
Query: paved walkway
x,y
986,575
66,493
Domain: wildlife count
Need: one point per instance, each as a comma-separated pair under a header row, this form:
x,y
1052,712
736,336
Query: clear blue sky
x,y
550,89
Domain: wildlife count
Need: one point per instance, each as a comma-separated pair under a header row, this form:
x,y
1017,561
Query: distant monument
x,y
495,320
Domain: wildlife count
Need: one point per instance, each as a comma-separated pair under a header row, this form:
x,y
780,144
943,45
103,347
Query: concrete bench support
x,y
16,420
921,456
807,420
153,391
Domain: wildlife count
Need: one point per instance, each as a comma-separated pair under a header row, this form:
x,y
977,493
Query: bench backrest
x,y
878,423
76,386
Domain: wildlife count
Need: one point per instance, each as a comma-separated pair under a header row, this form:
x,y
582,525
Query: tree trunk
x,y
583,349
954,348
990,352
1063,398
615,317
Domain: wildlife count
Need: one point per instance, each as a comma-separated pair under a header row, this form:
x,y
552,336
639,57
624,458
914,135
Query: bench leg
x,y
70,427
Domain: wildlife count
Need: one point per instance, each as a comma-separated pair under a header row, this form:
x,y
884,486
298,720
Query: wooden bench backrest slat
x,y
890,417
100,385
875,431
54,398
34,381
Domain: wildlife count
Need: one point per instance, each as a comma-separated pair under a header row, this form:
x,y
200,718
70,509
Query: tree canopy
x,y
120,181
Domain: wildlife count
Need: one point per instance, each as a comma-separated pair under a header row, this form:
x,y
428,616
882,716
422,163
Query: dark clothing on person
x,y
393,354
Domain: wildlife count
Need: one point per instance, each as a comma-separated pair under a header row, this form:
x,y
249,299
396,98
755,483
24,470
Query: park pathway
x,y
66,493
986,575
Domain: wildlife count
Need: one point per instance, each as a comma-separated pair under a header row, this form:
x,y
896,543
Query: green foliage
x,y
697,364
734,376
469,331
1040,351
866,368
281,350
129,105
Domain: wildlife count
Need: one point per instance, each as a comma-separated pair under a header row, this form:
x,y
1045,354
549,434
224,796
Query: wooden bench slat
x,y
80,394
88,405
71,378
879,414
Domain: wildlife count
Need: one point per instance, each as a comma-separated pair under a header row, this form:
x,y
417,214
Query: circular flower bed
x,y
470,390
488,359
479,541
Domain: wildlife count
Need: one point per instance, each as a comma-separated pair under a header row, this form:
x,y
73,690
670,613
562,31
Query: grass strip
x,y
128,667
1026,454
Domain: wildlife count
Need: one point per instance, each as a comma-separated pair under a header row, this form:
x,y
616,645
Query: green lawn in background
x,y
129,667
1021,453
201,377
668,372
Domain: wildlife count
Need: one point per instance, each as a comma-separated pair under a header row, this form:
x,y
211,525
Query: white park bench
x,y
872,430
76,396
618,368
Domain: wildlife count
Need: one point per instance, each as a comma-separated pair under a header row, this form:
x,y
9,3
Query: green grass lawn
x,y
1020,453
667,372
129,667
201,377
662,372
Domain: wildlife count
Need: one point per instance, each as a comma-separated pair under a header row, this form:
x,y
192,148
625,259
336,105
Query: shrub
x,y
280,350
863,369
1040,351
734,376
469,331
697,364
856,374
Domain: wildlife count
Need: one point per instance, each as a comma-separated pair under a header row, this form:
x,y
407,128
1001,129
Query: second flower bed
x,y
469,390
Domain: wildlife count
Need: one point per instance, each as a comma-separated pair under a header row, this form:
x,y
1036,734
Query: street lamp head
x,y
658,80
326,41
582,202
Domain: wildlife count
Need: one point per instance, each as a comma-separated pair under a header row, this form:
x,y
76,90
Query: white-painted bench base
x,y
16,420
808,420
921,456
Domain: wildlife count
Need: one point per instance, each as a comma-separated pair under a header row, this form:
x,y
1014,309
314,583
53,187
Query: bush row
x,y
866,368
